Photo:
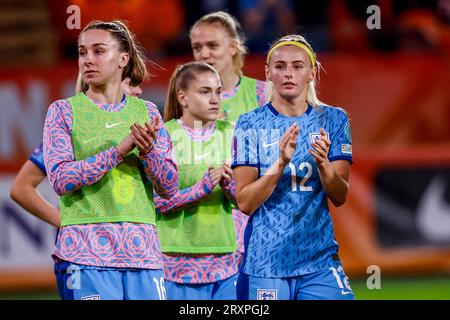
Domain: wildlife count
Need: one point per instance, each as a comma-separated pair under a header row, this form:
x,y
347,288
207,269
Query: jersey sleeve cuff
x,y
38,164
349,159
244,165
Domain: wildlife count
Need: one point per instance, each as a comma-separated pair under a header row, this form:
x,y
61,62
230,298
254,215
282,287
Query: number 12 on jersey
x,y
302,167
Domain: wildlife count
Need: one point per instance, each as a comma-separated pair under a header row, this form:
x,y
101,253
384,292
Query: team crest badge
x,y
346,148
93,297
267,294
315,136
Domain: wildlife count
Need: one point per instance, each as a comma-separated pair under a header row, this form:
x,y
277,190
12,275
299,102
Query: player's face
x,y
99,58
212,44
290,70
201,99
126,88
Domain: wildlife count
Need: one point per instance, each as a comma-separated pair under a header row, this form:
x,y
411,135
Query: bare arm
x,y
333,175
23,191
252,192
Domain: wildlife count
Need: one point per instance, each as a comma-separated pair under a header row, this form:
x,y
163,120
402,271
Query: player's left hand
x,y
215,175
227,175
320,148
144,138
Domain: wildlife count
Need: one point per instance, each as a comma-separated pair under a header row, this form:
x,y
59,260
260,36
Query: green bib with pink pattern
x,y
123,194
207,227
243,101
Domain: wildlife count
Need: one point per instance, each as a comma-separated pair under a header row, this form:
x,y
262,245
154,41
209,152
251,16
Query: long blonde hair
x,y
179,81
234,30
136,69
311,96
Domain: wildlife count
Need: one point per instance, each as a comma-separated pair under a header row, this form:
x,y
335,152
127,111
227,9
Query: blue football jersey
x,y
37,157
292,233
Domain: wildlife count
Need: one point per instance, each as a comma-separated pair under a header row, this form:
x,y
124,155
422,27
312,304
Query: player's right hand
x,y
288,144
215,175
143,138
227,174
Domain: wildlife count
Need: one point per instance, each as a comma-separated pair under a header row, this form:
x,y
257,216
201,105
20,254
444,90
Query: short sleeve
x,y
37,157
341,139
245,144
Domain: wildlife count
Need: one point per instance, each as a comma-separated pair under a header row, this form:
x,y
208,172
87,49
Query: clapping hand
x,y
288,143
320,148
144,137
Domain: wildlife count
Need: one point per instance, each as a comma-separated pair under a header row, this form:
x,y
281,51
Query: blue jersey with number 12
x,y
292,233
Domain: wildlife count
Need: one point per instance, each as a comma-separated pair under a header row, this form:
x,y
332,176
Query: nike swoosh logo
x,y
265,145
345,292
201,156
109,126
89,140
433,212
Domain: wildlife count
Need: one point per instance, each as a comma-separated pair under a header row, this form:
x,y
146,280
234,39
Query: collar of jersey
x,y
230,93
276,113
113,106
